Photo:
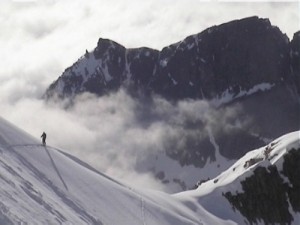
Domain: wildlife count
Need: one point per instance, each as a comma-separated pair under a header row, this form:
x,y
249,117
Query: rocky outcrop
x,y
295,58
268,192
291,168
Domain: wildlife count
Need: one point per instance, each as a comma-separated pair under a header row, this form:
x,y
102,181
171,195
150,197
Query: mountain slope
x,y
43,185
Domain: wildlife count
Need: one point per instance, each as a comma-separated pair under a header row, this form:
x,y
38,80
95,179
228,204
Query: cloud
x,y
40,39
118,134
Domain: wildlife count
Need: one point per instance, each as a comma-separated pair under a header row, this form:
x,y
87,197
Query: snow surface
x,y
45,185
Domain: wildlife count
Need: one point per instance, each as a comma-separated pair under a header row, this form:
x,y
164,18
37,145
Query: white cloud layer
x,y
39,39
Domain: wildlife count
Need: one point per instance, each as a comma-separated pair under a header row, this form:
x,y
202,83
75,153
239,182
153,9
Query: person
x,y
44,138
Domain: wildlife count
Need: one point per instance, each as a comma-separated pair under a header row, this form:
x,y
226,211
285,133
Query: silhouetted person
x,y
44,138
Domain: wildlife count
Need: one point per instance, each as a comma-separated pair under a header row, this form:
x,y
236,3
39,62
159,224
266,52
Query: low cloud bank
x,y
117,134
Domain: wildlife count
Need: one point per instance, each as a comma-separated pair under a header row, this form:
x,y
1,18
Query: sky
x,y
40,39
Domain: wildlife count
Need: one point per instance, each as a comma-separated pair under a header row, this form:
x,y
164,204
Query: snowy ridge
x,y
211,193
239,170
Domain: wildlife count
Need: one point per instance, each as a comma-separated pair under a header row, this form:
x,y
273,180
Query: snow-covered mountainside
x,y
44,185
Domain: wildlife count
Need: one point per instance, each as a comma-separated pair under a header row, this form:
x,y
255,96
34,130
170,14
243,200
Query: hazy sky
x,y
39,39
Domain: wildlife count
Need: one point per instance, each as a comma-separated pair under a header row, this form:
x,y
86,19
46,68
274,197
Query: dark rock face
x,y
235,56
246,63
266,195
295,58
291,169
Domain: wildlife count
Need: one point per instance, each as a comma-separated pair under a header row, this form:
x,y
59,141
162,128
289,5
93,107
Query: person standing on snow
x,y
44,138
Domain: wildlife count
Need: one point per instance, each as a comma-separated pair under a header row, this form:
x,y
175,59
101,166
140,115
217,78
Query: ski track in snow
x,y
55,168
40,176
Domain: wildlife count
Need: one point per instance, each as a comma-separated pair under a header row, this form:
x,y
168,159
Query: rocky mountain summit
x,y
230,58
247,66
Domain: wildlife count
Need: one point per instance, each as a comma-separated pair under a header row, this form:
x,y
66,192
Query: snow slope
x,y
44,185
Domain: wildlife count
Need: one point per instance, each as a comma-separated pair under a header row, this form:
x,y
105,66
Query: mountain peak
x,y
105,47
233,56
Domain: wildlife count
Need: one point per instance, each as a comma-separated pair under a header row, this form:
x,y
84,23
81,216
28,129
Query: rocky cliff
x,y
295,59
268,194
